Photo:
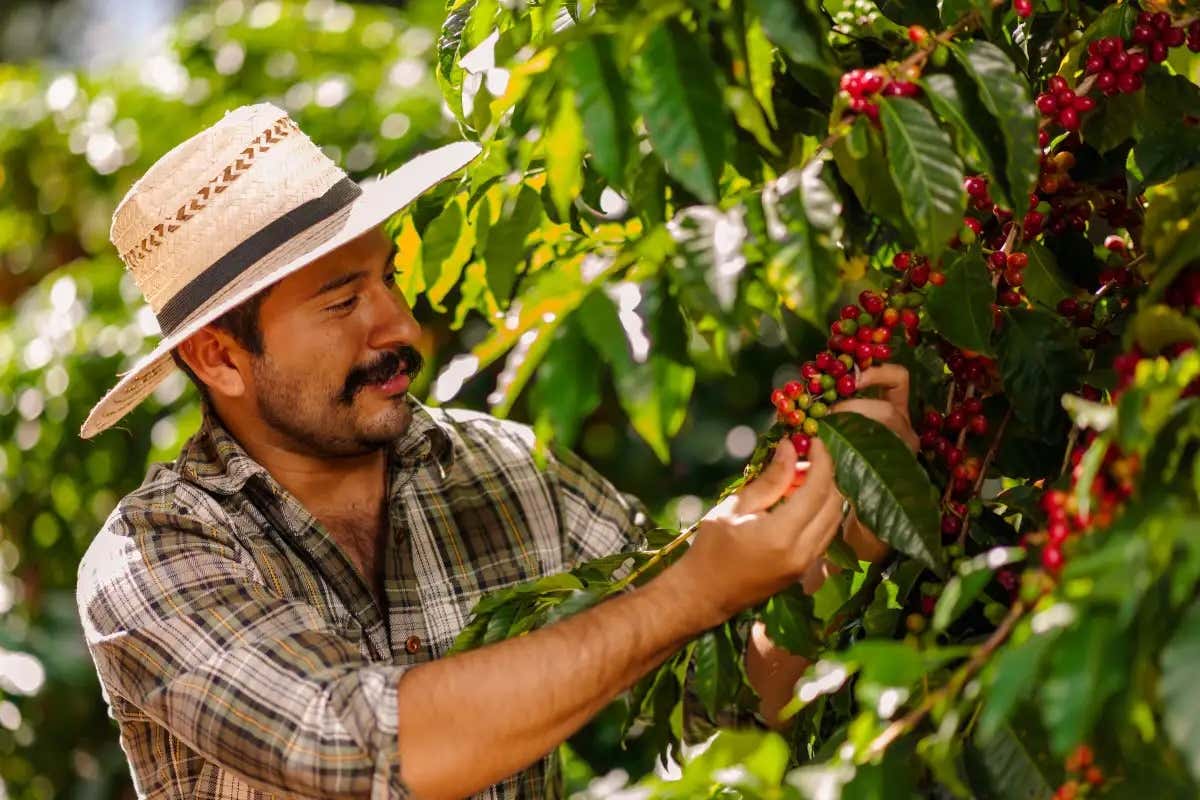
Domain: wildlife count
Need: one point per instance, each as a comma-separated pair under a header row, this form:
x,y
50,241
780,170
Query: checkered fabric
x,y
241,653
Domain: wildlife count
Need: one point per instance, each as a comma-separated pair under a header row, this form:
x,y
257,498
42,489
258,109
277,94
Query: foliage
x,y
665,183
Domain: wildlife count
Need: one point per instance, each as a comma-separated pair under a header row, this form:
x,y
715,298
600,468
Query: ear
x,y
217,360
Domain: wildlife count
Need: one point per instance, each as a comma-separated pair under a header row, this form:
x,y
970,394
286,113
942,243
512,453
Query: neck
x,y
321,483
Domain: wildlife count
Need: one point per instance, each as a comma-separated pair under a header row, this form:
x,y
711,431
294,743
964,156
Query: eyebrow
x,y
342,280
338,282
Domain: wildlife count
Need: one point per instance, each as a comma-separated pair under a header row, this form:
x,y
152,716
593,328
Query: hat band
x,y
253,249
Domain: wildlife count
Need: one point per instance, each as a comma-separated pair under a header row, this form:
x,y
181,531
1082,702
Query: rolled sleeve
x,y
259,683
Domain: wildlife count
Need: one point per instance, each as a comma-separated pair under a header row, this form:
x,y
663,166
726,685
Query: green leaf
x,y
1006,95
961,309
505,247
954,10
1039,361
1008,764
1116,120
1158,326
1012,678
655,395
799,29
885,664
760,66
564,147
973,577
1172,228
886,484
750,117
955,100
708,260
1146,405
718,671
598,319
1089,664
677,93
791,624
910,12
862,163
575,601
1169,143
803,214
1179,691
603,103
563,395
446,246
926,171
1045,284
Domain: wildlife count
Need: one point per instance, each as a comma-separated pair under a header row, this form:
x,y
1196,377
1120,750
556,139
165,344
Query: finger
x,y
892,378
884,413
881,411
816,536
771,484
817,486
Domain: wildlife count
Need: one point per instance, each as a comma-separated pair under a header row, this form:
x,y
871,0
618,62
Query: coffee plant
x,y
1003,198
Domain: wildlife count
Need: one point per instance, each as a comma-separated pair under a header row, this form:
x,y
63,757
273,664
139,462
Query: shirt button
x,y
413,644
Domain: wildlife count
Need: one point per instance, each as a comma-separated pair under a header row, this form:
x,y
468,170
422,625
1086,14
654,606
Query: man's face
x,y
337,353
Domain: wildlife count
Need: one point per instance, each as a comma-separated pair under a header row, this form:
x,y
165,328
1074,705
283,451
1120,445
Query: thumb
x,y
771,484
817,485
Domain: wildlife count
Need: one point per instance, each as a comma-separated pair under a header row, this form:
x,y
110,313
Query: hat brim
x,y
379,200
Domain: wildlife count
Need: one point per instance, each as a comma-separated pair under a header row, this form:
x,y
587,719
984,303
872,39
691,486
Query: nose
x,y
392,321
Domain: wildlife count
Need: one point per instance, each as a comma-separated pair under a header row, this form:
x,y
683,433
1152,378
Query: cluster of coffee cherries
x,y
1111,486
1086,776
1060,102
1116,66
1156,33
859,338
864,87
1118,70
1183,295
944,435
919,272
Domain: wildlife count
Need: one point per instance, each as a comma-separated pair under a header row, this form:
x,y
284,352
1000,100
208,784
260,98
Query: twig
x,y
976,662
654,559
993,448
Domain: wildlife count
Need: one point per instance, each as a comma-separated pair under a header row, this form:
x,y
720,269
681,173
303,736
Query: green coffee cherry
x,y
995,612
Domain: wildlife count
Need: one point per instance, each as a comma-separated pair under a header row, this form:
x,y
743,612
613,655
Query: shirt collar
x,y
215,460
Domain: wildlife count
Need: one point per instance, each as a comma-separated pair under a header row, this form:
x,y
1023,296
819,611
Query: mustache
x,y
404,357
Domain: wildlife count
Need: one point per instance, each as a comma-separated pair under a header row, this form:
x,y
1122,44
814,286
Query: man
x,y
267,612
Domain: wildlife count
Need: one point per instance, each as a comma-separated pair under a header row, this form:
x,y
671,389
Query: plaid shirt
x,y
241,653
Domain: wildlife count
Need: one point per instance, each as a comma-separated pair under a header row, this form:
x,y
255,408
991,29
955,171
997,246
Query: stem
x,y
993,448
976,662
663,551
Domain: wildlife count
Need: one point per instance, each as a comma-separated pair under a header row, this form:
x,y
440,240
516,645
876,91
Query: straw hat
x,y
231,211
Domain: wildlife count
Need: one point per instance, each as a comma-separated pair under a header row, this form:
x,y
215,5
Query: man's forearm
x,y
473,719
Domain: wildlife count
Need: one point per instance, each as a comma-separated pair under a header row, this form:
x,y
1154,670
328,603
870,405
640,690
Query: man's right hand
x,y
744,553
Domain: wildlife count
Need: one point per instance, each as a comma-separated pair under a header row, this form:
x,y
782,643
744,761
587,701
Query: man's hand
x,y
892,409
744,553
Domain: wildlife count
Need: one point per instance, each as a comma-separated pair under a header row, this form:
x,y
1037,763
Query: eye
x,y
345,305
389,278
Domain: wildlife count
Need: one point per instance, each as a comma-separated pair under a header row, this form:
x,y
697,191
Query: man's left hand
x,y
892,411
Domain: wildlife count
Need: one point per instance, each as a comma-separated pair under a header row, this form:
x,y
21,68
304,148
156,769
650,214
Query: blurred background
x,y
91,93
